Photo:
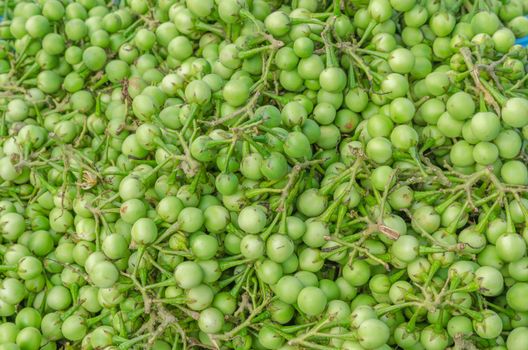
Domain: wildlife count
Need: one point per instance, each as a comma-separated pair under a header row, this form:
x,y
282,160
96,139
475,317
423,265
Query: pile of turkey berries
x,y
230,174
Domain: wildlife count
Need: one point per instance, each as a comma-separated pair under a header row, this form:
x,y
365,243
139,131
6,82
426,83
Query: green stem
x,y
190,118
264,235
451,229
509,221
210,28
494,92
128,343
28,72
224,265
252,52
367,32
100,82
4,268
386,309
337,8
